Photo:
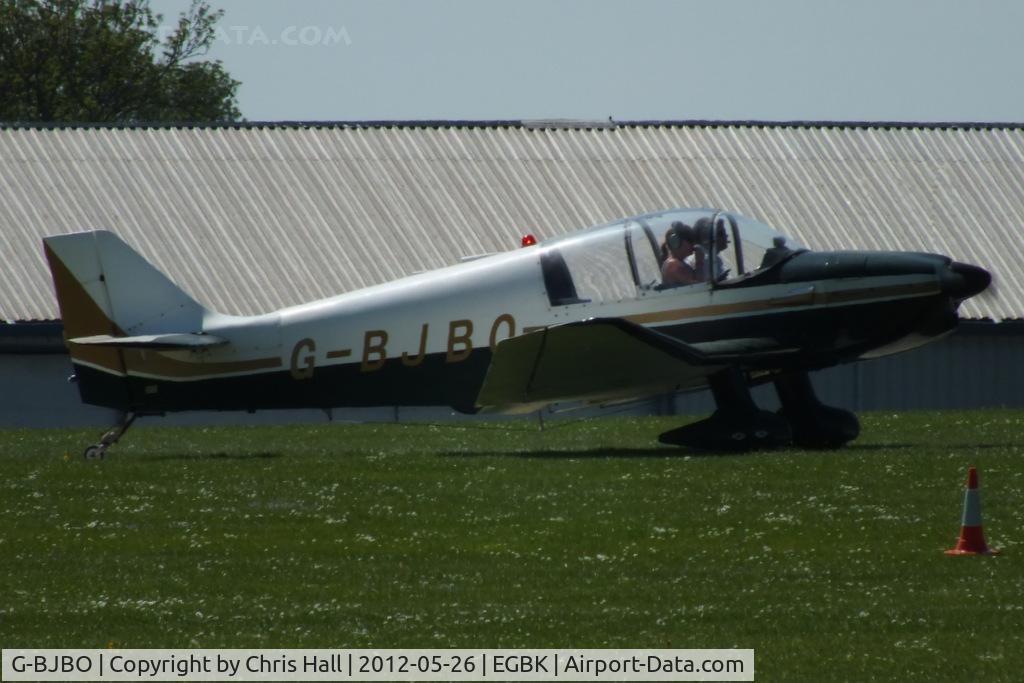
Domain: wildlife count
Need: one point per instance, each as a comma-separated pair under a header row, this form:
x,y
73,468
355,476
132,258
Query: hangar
x,y
253,217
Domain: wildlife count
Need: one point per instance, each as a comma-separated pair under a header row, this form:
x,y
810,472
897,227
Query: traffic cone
x,y
972,538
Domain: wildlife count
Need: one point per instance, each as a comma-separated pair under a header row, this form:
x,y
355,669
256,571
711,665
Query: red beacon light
x,y
529,240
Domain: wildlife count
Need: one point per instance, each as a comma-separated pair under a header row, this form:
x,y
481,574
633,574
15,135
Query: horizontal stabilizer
x,y
152,341
597,359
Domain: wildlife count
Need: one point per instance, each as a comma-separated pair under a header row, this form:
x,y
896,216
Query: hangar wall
x,y
979,366
253,218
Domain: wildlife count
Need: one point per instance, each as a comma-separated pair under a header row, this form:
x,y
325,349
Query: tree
x,y
97,61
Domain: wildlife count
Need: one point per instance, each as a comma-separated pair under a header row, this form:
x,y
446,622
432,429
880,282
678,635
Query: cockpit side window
x,y
644,256
598,266
557,279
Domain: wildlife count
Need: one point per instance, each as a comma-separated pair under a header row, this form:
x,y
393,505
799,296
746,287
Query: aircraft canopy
x,y
623,260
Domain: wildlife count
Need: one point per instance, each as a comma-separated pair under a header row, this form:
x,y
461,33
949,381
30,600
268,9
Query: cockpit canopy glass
x,y
625,260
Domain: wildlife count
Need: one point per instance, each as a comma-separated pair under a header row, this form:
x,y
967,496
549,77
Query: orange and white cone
x,y
972,537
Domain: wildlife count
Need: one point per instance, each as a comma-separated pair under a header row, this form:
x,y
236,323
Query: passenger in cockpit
x,y
704,245
678,247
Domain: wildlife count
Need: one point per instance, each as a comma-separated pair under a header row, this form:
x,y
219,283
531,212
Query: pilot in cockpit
x,y
677,248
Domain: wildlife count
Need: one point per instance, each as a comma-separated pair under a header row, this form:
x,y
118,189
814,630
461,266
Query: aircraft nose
x,y
962,280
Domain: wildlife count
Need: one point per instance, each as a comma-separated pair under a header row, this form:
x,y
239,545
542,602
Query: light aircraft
x,y
585,317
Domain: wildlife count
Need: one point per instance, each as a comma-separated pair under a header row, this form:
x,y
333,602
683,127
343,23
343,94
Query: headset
x,y
675,238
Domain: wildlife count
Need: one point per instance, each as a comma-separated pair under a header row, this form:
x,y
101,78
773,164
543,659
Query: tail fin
x,y
111,300
104,287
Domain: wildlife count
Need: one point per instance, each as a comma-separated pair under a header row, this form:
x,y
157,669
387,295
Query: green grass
x,y
588,534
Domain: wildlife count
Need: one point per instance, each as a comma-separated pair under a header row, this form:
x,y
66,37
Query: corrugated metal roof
x,y
253,218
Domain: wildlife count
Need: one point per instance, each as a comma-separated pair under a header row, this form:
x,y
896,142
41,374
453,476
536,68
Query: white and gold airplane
x,y
597,316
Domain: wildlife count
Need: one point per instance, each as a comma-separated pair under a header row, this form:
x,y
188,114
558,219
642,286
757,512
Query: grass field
x,y
587,534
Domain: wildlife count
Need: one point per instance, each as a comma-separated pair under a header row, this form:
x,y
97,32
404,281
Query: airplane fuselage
x,y
428,339
610,313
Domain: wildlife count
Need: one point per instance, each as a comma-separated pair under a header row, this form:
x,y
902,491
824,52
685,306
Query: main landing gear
x,y
739,425
97,451
815,425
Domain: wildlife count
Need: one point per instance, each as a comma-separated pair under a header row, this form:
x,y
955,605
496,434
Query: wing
x,y
595,360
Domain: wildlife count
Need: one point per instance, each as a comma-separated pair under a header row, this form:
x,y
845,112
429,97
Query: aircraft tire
x,y
824,428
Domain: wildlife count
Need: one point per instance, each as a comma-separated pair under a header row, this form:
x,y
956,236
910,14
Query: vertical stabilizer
x,y
105,287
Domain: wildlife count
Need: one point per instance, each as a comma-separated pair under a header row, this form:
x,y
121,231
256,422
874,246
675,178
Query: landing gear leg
x,y
736,425
97,451
815,425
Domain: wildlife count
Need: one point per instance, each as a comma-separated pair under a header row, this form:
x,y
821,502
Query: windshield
x,y
631,257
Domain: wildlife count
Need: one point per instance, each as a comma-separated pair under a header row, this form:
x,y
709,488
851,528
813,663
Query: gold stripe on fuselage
x,y
762,305
147,363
